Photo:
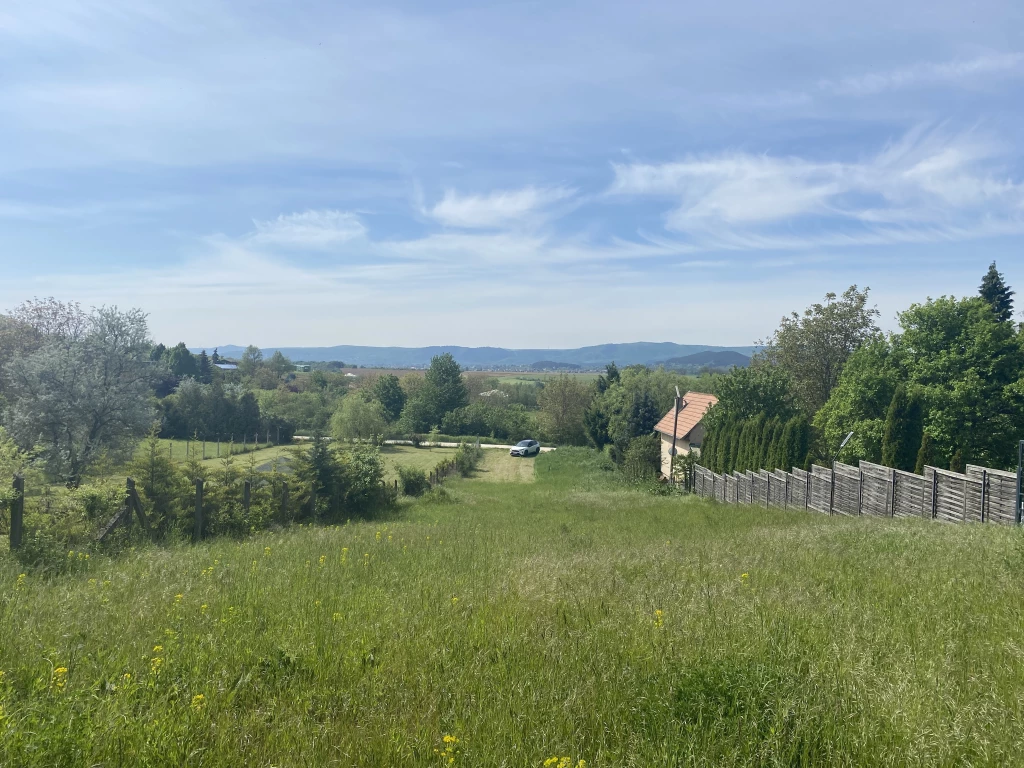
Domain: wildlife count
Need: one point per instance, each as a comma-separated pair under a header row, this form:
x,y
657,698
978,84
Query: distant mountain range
x,y
712,358
496,358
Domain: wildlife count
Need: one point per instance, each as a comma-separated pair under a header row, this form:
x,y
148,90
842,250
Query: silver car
x,y
525,448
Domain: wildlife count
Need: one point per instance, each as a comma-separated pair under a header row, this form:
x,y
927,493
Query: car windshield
x,y
523,444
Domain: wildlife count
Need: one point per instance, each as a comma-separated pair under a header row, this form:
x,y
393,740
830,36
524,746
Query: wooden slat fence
x,y
980,495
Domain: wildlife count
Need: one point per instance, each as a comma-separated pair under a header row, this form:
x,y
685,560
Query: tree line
x,y
946,389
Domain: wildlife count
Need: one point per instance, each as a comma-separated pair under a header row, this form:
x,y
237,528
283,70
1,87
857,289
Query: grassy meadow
x,y
529,613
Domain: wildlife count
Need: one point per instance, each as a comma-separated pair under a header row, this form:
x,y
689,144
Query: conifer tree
x,y
997,293
904,425
734,453
926,454
785,449
774,459
956,464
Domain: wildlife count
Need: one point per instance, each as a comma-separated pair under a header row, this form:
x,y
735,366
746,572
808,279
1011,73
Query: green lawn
x,y
566,617
423,458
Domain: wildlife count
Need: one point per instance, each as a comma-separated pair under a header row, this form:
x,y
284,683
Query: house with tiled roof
x,y
682,428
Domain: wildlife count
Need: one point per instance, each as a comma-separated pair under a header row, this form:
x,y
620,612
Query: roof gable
x,y
691,411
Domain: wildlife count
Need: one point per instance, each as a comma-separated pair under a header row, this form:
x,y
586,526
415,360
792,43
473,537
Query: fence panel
x,y
742,488
729,488
846,499
779,486
1000,493
821,489
876,491
911,495
799,486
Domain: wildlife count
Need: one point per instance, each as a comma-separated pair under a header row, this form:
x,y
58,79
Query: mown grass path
x,y
566,617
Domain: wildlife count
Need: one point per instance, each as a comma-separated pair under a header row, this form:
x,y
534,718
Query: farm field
x,y
506,623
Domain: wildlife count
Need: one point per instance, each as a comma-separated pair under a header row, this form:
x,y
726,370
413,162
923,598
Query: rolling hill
x,y
494,358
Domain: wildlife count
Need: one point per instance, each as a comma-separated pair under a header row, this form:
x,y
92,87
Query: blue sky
x,y
533,174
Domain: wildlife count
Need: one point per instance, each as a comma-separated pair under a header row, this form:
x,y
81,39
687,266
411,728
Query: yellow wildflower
x,y
126,677
336,617
71,555
202,608
266,551
378,535
178,598
455,601
154,664
92,582
198,702
21,580
59,678
158,649
323,559
659,618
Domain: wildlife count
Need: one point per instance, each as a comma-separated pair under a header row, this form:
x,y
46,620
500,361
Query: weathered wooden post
x,y
935,493
892,504
832,489
246,497
860,491
197,532
204,450
170,449
18,513
984,492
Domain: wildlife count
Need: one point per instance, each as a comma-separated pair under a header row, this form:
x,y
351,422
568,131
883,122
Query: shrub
x,y
642,459
412,480
466,458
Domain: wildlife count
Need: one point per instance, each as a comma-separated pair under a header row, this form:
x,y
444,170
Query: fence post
x,y
935,493
197,532
246,497
768,492
984,492
284,501
832,490
785,501
860,491
18,513
892,503
807,491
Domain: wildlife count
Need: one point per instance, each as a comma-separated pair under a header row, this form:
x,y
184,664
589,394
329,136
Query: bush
x,y
412,480
642,458
466,458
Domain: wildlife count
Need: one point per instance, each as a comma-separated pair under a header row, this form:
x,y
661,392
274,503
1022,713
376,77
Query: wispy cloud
x,y
926,74
497,209
308,230
926,185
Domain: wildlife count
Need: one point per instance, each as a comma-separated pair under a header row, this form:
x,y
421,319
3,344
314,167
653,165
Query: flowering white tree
x,y
84,391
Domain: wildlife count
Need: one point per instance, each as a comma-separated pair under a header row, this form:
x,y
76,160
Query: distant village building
x,y
226,366
688,427
303,368
494,393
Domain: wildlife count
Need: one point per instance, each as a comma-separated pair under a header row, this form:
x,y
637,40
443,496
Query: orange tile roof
x,y
691,411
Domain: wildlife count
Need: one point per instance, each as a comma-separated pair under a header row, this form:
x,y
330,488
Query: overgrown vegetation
x,y
569,616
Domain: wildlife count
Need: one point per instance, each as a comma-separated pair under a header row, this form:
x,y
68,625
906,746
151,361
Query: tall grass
x,y
566,617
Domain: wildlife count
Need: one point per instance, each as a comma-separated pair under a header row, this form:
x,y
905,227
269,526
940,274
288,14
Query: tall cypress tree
x,y
707,449
802,443
744,453
724,447
736,439
925,455
785,449
997,293
904,426
764,444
